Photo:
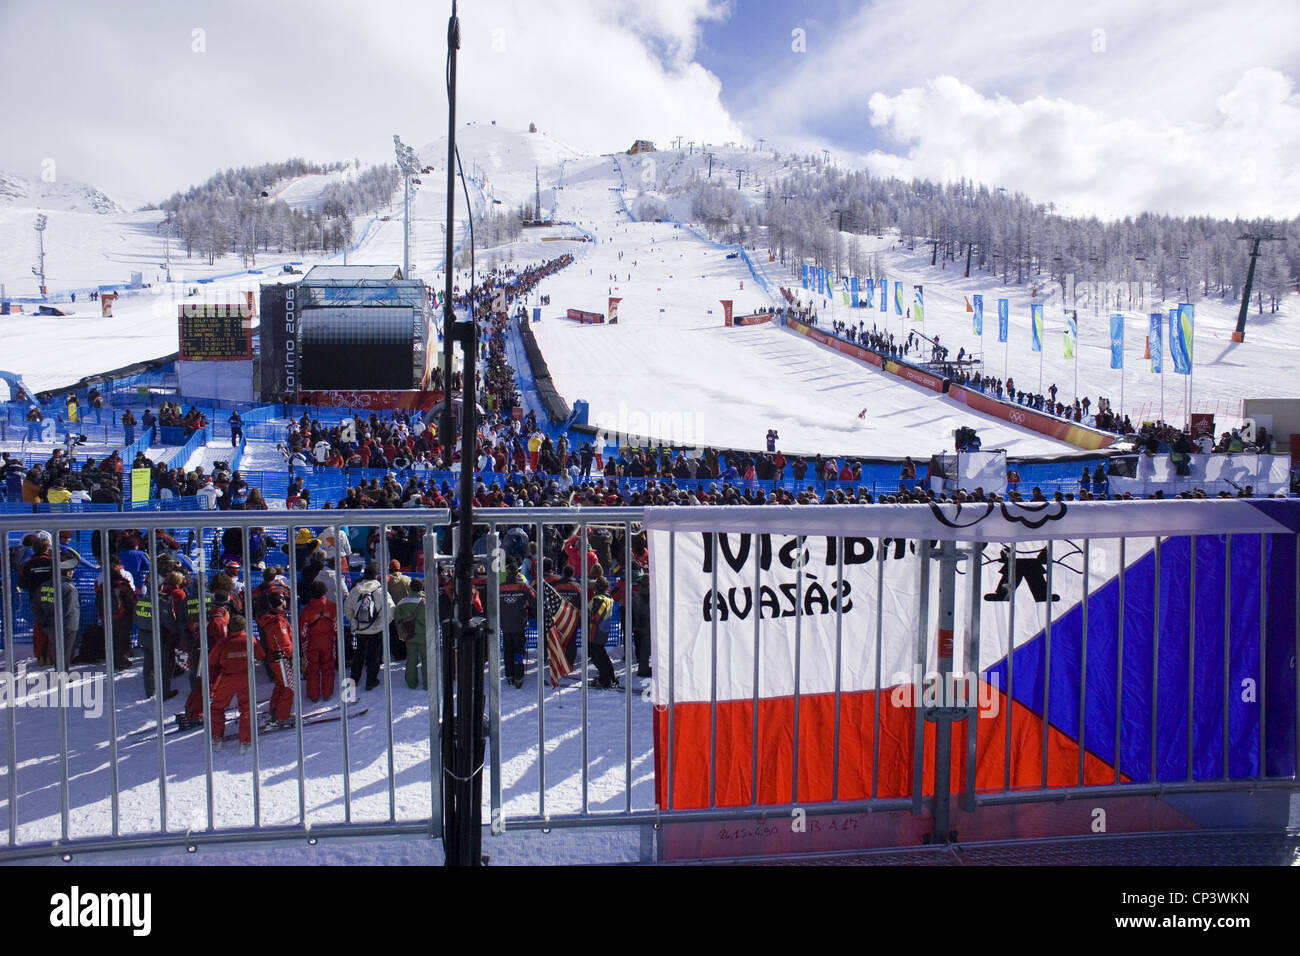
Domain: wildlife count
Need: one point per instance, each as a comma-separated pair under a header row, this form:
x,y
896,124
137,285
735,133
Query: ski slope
x,y
680,365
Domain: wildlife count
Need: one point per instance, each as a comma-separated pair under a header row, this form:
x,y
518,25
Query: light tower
x,y
38,270
409,163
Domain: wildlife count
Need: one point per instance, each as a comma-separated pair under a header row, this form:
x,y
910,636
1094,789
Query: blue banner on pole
x,y
805,275
884,295
1117,341
1155,342
853,291
1186,329
1179,343
977,316
1004,318
1036,321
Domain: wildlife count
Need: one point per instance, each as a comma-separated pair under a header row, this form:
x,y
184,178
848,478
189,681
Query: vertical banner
x,y
898,298
977,316
140,483
884,295
537,313
1117,340
821,281
844,289
613,309
853,292
918,304
1178,344
1155,340
1187,323
1004,318
1036,320
726,311
1071,336
805,275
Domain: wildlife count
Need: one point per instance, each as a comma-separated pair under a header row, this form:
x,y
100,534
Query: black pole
x,y
1245,294
447,427
465,646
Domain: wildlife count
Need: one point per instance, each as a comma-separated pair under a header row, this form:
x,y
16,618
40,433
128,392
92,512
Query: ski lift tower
x,y
1254,239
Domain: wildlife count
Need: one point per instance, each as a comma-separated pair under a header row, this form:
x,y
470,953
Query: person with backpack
x,y
600,615
228,664
366,616
409,621
317,630
276,630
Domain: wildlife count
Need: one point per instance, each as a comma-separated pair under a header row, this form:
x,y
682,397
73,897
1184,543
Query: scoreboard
x,y
215,332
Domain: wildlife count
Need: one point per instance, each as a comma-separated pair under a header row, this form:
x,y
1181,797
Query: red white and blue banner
x,y
823,626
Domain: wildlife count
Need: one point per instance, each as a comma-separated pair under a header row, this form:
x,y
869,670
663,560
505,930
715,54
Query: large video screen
x,y
357,348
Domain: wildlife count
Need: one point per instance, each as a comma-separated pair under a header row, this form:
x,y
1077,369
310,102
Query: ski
x,y
172,728
263,727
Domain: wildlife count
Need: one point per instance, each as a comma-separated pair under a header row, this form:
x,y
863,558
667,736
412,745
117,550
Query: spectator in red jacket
x,y
317,635
229,665
278,634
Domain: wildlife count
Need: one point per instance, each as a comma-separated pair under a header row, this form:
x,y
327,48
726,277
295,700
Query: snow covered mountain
x,y
65,195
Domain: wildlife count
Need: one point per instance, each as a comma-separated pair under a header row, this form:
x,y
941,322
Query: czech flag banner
x,y
796,650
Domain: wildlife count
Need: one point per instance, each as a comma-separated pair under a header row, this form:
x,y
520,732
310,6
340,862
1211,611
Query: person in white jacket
x,y
208,495
364,610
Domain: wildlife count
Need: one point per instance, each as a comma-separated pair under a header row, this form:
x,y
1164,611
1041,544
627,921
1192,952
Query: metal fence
x,y
571,754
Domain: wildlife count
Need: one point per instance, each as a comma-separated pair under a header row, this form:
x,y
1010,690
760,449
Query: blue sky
x,y
1110,107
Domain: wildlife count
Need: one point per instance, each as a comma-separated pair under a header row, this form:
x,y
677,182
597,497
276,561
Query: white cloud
x,y
1243,162
117,95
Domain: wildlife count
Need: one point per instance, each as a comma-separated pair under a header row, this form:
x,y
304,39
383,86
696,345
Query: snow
x,y
675,374
184,754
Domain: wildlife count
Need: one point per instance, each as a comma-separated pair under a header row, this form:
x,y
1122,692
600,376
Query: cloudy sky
x,y
1112,108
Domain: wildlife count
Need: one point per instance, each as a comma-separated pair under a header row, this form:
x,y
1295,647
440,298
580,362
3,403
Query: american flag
x,y
563,621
